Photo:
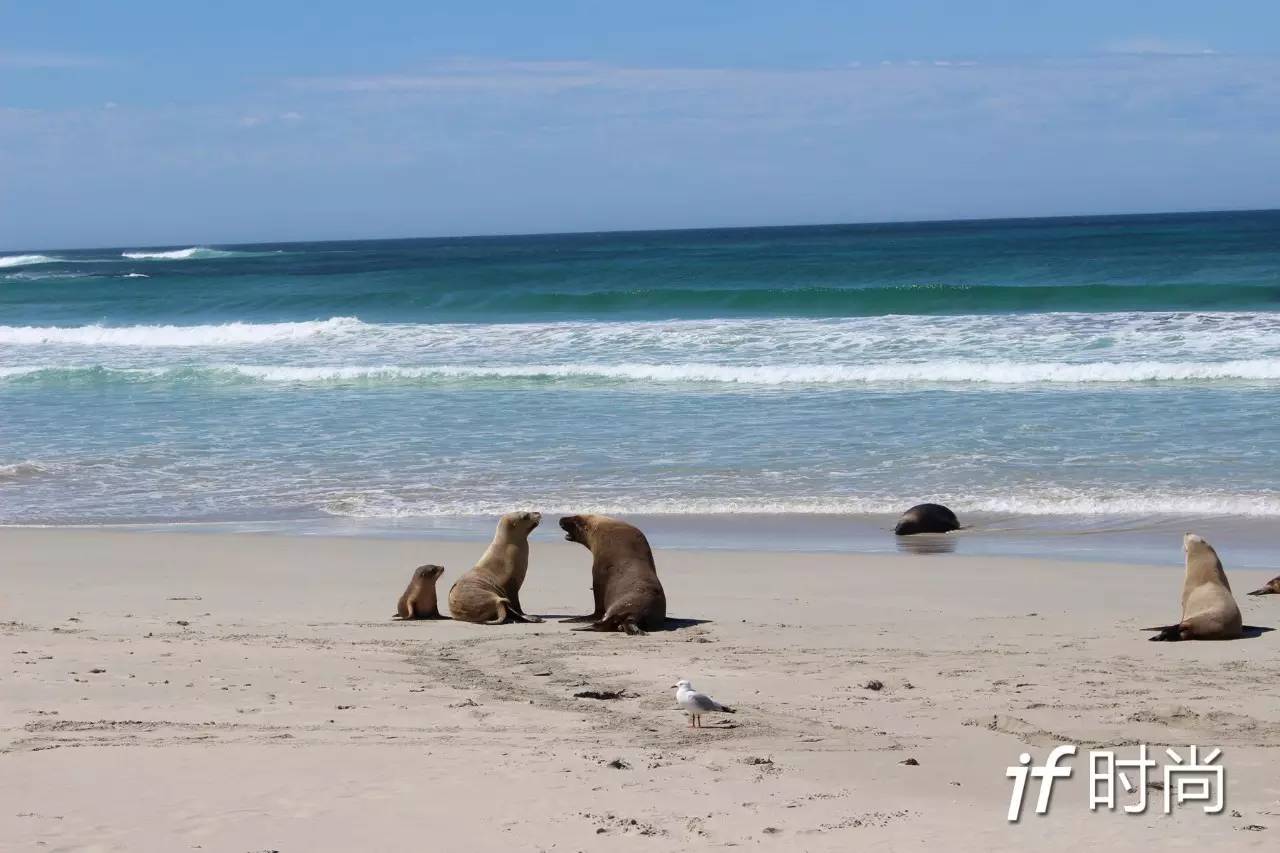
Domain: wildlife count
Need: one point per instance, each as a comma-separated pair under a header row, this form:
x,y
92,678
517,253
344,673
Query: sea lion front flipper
x,y
633,629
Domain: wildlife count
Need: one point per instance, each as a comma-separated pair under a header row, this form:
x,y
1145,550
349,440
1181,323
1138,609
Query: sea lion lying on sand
x,y
624,580
1271,587
926,518
419,599
1209,611
490,592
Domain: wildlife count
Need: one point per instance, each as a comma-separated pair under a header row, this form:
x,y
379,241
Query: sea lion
x,y
926,518
419,599
1271,587
624,581
490,592
1209,612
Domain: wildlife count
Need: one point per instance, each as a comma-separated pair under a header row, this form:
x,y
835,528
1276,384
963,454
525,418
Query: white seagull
x,y
696,704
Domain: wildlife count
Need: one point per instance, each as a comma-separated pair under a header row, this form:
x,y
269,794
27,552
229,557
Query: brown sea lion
x,y
1271,587
926,518
419,599
624,581
490,592
1209,611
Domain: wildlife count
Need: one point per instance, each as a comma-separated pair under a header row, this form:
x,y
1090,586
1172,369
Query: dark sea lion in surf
x,y
419,599
1271,587
1209,611
926,518
490,593
624,581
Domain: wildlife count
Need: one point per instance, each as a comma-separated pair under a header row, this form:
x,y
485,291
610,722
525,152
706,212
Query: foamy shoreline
x,y
166,691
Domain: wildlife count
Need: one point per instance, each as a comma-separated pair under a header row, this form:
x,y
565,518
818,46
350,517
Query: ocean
x,y
1084,386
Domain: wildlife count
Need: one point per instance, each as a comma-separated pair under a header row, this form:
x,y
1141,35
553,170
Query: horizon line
x,y
653,230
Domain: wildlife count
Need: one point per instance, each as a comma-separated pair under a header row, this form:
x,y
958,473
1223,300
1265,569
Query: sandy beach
x,y
250,692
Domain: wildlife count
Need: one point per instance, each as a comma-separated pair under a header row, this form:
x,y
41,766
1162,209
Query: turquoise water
x,y
1074,374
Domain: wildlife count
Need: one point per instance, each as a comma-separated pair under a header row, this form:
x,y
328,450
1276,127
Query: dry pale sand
x,y
222,692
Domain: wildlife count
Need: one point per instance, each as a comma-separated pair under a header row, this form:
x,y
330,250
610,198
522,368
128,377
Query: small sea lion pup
x,y
926,518
1271,587
490,593
1209,611
419,599
624,581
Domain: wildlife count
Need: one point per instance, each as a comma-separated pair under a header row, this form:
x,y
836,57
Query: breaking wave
x,y
971,373
8,261
225,334
192,253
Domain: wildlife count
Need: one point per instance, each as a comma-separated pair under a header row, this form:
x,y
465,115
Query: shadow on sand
x,y
927,543
672,624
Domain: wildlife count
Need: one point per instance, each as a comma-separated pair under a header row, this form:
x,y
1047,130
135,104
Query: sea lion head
x,y
521,522
577,528
428,572
1193,545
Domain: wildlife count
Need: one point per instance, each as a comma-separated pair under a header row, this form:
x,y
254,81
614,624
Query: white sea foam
x,y
948,372
1045,502
135,275
972,374
191,253
26,260
226,334
21,470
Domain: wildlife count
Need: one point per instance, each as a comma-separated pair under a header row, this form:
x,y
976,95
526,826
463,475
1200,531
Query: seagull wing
x,y
701,702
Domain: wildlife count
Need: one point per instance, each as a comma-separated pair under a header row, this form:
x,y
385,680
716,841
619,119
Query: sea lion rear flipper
x,y
502,612
1170,633
587,617
516,616
1266,590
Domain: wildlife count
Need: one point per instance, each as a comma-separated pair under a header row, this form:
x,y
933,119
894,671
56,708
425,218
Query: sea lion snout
x,y
572,527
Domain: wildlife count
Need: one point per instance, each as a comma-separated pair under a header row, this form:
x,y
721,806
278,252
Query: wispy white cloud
x,y
31,60
1157,46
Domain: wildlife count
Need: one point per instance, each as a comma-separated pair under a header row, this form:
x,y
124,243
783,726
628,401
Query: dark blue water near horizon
x,y
1183,261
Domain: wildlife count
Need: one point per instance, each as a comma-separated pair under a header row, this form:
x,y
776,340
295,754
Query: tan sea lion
x,y
1271,587
419,599
624,581
1209,612
490,593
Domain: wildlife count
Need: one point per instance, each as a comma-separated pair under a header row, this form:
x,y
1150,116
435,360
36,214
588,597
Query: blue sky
x,y
138,123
